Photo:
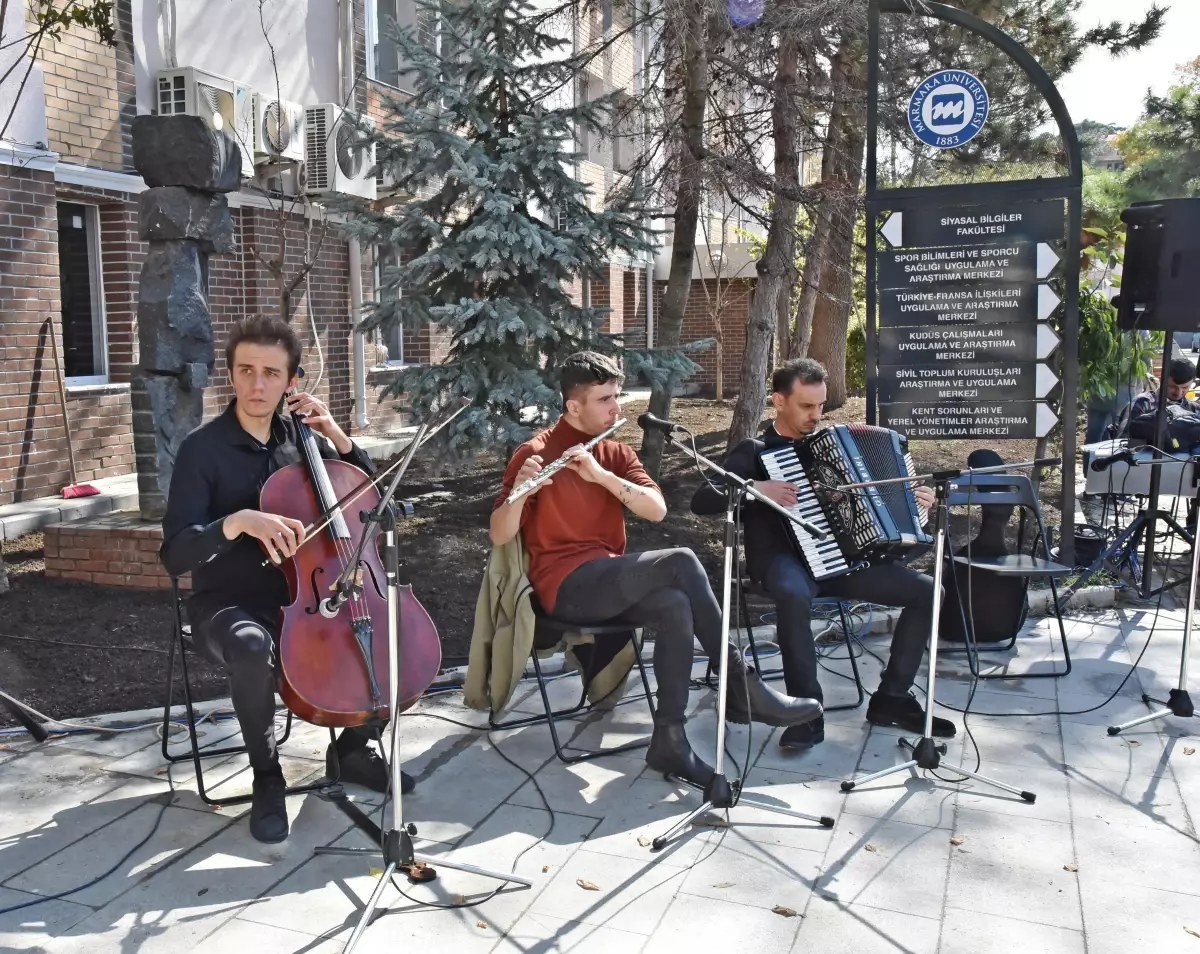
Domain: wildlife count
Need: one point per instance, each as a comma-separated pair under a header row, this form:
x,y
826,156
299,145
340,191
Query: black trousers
x,y
242,640
892,584
666,590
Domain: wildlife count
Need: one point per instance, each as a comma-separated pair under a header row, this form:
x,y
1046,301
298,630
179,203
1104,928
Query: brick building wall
x,y
706,295
89,89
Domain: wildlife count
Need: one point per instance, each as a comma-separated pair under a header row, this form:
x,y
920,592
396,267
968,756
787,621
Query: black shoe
x,y
268,808
671,754
803,736
751,698
363,766
907,713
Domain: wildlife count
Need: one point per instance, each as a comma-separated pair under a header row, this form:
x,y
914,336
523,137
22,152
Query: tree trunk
x,y
778,261
694,64
818,241
719,380
4,585
783,326
831,312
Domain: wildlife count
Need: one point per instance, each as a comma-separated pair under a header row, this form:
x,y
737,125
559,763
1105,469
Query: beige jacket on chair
x,y
502,639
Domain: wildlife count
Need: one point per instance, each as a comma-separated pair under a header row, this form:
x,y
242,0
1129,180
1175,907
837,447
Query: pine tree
x,y
491,230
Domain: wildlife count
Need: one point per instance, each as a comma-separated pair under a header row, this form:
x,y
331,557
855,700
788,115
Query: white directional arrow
x,y
1047,341
1047,302
892,229
1046,260
1045,420
1044,381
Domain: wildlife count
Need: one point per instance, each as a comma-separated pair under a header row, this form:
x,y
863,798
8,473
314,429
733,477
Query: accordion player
x,y
858,560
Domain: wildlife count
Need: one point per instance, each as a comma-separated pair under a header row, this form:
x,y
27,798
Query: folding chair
x,y
549,631
181,644
757,589
1010,490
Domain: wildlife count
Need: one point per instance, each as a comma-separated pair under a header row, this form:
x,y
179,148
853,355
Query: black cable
x,y
167,797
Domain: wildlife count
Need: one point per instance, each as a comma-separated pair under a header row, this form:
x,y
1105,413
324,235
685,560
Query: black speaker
x,y
1160,280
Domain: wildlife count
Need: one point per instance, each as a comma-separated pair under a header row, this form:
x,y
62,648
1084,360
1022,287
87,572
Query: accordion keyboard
x,y
824,557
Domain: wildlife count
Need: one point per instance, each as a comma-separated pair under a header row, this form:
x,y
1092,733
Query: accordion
x,y
870,523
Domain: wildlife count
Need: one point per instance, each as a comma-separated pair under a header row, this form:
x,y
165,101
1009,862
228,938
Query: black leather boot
x,y
671,754
268,809
751,698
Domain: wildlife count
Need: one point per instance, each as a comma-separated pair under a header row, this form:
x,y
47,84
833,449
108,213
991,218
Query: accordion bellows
x,y
870,523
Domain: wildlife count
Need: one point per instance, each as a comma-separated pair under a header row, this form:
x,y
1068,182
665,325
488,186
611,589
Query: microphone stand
x,y
720,792
927,753
394,843
1178,702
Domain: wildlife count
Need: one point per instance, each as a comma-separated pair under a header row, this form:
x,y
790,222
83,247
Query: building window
x,y
391,338
85,346
390,66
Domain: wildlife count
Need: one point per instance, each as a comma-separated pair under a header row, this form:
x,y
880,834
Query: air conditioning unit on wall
x,y
278,129
337,159
221,102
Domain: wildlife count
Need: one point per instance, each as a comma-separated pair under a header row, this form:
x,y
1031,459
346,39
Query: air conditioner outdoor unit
x,y
337,160
278,129
221,102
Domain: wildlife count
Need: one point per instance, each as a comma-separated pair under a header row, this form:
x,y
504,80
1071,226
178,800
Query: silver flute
x,y
534,482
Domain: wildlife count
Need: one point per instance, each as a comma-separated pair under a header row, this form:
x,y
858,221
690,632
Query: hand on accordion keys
x,y
926,497
780,491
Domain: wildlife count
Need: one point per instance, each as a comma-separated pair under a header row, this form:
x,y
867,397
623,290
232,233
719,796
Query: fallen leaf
x,y
784,912
956,840
460,899
1130,742
870,848
724,884
1070,867
644,841
1189,751
587,885
161,771
481,924
545,868
1192,931
712,822
374,872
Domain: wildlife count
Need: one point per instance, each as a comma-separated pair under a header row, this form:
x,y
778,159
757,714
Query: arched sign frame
x,y
1067,187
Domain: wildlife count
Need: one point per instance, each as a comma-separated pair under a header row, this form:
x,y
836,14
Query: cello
x,y
333,662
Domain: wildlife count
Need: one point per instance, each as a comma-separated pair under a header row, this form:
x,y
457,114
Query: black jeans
x,y
243,641
892,584
666,590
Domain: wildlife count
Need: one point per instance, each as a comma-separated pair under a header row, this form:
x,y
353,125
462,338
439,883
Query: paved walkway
x,y
1106,860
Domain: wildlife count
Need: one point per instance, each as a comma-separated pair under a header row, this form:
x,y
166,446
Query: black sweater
x,y
766,534
220,469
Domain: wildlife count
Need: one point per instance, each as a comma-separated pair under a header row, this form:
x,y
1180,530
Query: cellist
x,y
213,529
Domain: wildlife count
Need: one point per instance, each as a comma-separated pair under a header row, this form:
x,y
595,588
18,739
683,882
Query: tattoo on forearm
x,y
629,493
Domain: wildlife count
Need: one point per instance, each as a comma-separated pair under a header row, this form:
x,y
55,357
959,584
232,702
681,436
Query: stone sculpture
x,y
184,216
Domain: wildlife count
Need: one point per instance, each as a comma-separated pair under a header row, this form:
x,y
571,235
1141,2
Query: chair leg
x,y
1062,634
858,683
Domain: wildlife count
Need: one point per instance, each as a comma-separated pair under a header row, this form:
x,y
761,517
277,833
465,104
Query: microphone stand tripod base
x,y
1178,703
927,754
720,793
394,843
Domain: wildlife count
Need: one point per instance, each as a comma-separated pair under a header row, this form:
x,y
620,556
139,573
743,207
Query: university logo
x,y
948,109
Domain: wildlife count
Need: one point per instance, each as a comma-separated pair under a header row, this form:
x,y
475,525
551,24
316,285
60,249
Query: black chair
x,y
181,644
748,586
548,633
1015,490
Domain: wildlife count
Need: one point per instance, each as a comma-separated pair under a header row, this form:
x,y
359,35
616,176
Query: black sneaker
x,y
364,766
905,712
803,736
268,808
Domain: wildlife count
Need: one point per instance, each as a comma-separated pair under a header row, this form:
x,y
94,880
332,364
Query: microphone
x,y
1105,462
648,422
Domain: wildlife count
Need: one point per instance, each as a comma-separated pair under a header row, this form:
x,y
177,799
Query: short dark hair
x,y
804,370
1182,371
584,369
265,330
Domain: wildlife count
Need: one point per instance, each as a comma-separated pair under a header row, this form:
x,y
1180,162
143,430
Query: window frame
x,y
91,225
392,363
